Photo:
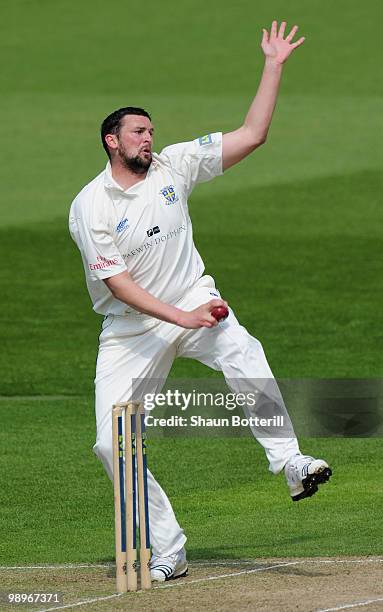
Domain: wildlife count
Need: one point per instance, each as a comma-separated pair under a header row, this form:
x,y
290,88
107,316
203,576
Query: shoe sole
x,y
180,574
311,482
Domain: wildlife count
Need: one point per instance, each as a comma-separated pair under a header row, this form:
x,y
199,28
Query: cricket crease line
x,y
251,571
367,602
378,560
196,563
308,560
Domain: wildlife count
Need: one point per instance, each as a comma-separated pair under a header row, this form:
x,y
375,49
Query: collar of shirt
x,y
133,191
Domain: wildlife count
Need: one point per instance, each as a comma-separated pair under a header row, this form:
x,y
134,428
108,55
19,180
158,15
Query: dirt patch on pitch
x,y
299,585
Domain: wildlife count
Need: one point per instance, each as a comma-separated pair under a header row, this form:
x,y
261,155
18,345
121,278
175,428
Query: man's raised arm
x,y
238,144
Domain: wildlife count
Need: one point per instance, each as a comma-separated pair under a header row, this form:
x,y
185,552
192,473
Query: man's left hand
x,y
277,48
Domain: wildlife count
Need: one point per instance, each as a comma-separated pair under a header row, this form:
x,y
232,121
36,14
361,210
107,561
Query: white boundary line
x,y
367,602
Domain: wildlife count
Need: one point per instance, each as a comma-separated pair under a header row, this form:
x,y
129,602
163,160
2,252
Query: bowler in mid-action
x,y
144,274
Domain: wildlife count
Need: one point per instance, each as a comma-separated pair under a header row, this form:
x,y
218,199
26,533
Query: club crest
x,y
169,194
205,140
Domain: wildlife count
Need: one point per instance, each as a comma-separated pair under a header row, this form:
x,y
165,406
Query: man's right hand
x,y
201,316
126,290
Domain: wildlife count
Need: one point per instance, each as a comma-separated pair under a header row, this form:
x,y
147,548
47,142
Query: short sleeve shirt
x,y
145,229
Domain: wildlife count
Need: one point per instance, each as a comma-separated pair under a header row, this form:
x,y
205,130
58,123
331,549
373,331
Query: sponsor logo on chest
x,y
155,241
122,225
154,230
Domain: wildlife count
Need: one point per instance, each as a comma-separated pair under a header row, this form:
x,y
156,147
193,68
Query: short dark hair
x,y
112,123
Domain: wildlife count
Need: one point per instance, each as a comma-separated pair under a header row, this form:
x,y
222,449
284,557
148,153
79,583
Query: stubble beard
x,y
137,164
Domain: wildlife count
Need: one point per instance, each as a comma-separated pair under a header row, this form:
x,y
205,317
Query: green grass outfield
x,y
292,236
57,504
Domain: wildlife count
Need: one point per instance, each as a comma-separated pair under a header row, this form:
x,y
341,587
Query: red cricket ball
x,y
220,313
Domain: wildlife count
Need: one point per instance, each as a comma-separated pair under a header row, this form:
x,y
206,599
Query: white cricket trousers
x,y
130,351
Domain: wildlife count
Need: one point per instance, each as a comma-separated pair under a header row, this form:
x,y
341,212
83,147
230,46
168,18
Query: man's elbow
x,y
115,292
260,141
255,138
256,142
260,137
115,289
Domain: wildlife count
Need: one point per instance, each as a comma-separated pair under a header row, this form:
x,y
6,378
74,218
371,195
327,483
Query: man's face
x,y
134,143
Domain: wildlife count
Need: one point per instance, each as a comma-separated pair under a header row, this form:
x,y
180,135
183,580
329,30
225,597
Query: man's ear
x,y
112,141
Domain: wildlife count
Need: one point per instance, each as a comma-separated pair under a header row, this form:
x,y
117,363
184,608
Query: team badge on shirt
x,y
169,194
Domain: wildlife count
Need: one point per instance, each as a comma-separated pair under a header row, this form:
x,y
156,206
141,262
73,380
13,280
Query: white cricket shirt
x,y
146,229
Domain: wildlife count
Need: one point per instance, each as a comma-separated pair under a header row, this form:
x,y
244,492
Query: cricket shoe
x,y
304,474
168,568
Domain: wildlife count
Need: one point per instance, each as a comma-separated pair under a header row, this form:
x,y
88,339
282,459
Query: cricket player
x,y
144,274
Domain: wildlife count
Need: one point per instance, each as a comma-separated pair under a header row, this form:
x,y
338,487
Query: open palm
x,y
276,47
